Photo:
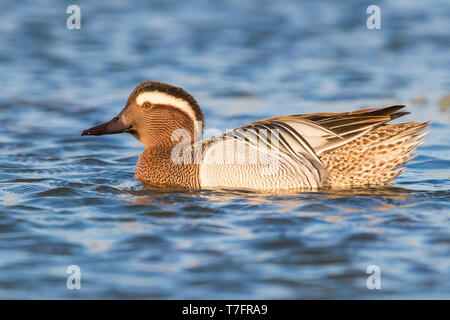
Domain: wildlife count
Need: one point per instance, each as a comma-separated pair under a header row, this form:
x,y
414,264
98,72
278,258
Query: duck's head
x,y
154,110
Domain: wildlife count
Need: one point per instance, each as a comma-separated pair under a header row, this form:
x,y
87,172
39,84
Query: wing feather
x,y
319,132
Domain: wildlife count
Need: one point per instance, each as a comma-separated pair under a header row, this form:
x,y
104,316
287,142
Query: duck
x,y
294,152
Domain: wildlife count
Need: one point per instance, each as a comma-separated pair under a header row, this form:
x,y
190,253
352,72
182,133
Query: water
x,y
67,200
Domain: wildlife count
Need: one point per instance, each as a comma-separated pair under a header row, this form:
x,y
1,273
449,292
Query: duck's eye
x,y
146,105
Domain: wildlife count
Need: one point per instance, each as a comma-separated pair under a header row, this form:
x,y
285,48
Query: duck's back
x,y
312,151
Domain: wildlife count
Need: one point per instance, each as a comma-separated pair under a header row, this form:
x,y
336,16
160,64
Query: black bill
x,y
115,125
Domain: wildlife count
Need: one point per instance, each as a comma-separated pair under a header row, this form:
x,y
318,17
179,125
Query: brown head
x,y
153,112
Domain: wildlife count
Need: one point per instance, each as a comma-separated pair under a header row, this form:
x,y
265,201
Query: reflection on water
x,y
68,200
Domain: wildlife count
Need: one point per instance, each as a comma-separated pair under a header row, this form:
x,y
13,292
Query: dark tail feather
x,y
389,111
386,111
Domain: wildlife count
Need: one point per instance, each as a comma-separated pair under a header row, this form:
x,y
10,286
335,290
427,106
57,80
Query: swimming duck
x,y
306,151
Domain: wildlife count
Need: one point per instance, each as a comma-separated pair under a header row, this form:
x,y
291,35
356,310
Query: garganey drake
x,y
307,151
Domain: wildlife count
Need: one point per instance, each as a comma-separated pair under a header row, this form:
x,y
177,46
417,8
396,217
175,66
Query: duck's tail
x,y
375,157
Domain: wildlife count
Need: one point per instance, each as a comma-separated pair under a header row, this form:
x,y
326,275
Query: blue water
x,y
67,200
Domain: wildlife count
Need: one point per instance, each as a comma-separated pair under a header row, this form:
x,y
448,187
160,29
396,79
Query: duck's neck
x,y
156,166
170,132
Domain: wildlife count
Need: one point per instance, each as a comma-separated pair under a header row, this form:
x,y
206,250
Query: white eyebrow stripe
x,y
156,97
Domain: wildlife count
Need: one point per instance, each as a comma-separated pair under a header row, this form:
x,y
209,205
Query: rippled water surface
x,y
67,200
